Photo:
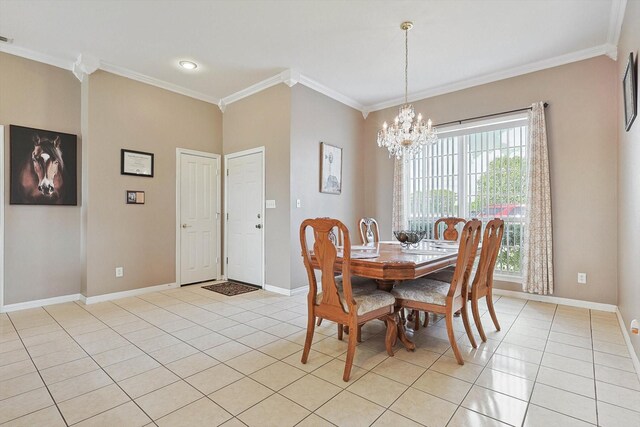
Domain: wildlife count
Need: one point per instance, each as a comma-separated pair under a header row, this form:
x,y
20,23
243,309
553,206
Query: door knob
x,y
185,226
258,226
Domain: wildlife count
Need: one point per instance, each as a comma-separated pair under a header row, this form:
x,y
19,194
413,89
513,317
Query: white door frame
x,y
227,157
2,218
216,157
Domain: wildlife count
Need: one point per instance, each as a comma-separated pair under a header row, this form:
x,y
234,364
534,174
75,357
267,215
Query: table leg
x,y
387,285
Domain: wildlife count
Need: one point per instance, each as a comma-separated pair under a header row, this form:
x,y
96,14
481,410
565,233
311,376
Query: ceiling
x,y
354,50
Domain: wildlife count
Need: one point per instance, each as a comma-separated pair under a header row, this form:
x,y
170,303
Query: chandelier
x,y
406,136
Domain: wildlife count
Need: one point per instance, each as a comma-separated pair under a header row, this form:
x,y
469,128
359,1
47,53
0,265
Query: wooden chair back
x,y
450,232
368,231
491,242
326,254
469,240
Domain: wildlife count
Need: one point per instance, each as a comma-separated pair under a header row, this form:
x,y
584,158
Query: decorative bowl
x,y
409,238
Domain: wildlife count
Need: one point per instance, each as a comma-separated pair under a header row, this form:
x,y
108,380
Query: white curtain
x,y
399,217
538,237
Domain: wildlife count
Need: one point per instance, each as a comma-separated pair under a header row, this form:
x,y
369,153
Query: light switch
x,y
298,203
270,204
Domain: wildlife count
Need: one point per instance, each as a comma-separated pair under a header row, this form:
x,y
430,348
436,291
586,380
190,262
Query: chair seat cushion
x,y
445,275
424,290
366,295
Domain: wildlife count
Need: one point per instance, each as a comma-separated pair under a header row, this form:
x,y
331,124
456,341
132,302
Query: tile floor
x,y
190,357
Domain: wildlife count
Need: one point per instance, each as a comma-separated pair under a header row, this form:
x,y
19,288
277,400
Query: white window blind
x,y
474,171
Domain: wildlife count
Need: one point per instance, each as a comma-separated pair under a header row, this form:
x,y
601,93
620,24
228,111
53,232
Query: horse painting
x,y
41,163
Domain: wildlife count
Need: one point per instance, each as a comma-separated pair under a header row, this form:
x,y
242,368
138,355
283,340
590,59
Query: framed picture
x,y
136,163
135,197
330,169
43,167
630,91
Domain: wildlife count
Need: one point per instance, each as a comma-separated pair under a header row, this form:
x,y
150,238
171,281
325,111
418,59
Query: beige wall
x,y
314,118
263,120
122,113
42,243
582,136
628,182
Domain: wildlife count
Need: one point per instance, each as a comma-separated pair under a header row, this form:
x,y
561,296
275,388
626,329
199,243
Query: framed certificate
x,y
136,163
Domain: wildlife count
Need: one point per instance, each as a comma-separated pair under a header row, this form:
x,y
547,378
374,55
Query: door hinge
x,y
217,260
227,216
227,260
227,172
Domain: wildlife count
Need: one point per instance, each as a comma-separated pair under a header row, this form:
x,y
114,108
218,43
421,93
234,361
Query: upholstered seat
x,y
445,275
367,300
424,290
358,283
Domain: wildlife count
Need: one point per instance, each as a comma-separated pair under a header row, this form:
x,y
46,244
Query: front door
x,y
245,217
199,238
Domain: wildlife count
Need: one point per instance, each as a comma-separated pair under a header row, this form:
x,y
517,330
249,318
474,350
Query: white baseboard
x,y
556,300
125,294
627,339
40,303
285,291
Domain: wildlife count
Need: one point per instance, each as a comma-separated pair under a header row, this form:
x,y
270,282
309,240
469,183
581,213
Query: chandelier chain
x,y
406,64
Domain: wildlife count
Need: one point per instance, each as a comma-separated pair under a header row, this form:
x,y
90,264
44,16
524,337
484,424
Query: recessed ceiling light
x,y
188,65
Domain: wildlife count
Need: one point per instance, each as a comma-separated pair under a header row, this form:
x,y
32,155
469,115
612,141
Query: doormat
x,y
230,288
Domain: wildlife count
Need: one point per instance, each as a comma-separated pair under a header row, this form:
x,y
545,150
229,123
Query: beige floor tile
x,y
191,332
58,358
257,339
508,384
250,362
572,366
615,416
132,367
566,381
538,416
443,386
365,357
349,409
172,353
424,408
471,355
163,401
449,366
125,415
398,370
23,404
153,344
116,355
570,351
233,422
391,419
49,417
310,392
522,353
275,411
19,385
13,356
512,366
334,370
584,342
283,330
421,356
76,386
92,403
240,395
564,402
620,396
193,364
205,342
466,418
613,361
10,346
280,349
228,351
214,378
617,377
611,348
278,375
496,405
331,346
16,369
148,381
68,370
378,389
202,412
314,420
237,331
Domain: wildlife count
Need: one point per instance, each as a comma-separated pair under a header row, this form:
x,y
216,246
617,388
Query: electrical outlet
x,y
298,203
634,327
119,271
582,278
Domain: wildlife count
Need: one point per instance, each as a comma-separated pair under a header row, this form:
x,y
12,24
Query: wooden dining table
x,y
393,264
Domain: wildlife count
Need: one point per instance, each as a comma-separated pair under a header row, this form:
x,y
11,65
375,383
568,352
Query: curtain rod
x,y
546,104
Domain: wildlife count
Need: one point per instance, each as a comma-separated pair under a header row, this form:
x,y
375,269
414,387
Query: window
x,y
474,171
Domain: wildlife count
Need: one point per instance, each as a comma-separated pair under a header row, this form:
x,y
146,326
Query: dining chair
x,y
369,231
450,232
337,300
434,296
483,281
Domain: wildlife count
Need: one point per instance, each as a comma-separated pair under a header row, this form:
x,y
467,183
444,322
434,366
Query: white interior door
x,y
245,217
199,212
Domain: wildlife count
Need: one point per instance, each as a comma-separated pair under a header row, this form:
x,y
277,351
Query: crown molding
x,y
253,89
604,49
318,87
36,56
124,72
616,17
84,66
